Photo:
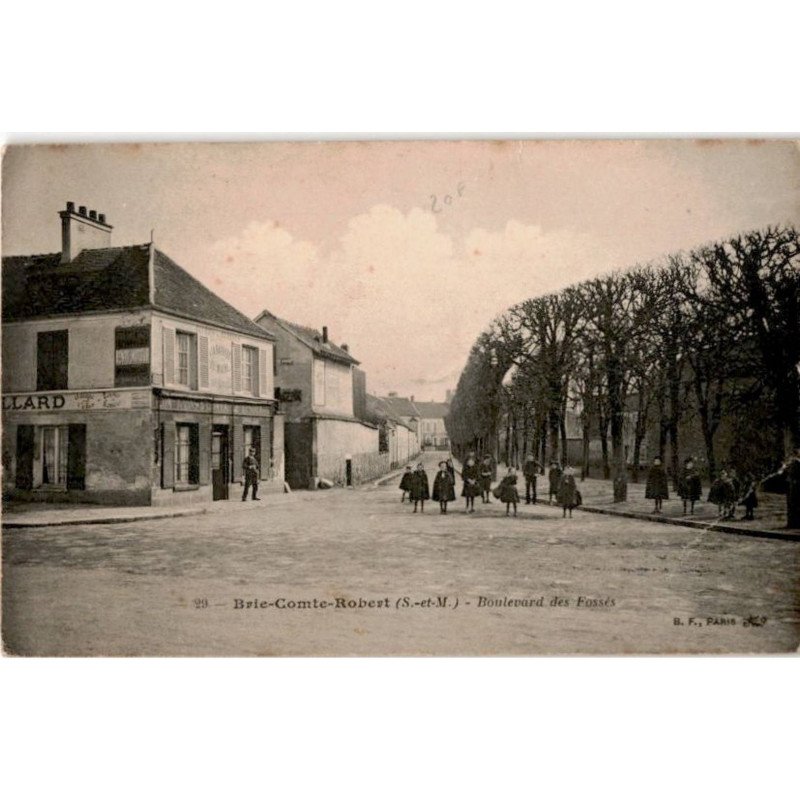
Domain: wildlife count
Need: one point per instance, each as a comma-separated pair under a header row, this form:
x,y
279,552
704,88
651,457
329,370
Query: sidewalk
x,y
770,521
598,498
38,515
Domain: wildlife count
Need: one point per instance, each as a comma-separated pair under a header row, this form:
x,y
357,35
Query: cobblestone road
x,y
378,576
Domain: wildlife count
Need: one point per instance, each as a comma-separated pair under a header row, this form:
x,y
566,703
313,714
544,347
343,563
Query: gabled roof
x,y
432,410
111,279
401,406
97,280
178,292
379,409
310,337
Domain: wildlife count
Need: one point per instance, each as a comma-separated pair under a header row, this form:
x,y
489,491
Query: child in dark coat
x,y
554,477
471,477
656,488
420,488
507,491
723,494
690,487
443,487
487,474
749,497
405,483
568,491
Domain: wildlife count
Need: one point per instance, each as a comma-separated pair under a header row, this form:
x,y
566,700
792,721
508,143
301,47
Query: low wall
x,y
365,467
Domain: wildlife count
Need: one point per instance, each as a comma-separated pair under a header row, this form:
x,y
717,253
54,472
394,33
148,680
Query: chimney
x,y
325,334
82,231
345,347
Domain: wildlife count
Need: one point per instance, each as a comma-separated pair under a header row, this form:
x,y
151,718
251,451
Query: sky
x,y
405,250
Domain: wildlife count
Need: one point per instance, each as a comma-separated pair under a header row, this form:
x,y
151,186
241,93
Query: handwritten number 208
x,y
447,199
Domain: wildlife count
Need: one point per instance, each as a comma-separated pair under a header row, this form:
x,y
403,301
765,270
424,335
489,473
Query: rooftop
x,y
111,279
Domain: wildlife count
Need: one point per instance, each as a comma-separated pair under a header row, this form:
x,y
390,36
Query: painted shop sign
x,y
75,401
45,402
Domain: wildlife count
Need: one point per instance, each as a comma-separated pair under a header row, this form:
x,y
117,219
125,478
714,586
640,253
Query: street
x,y
355,572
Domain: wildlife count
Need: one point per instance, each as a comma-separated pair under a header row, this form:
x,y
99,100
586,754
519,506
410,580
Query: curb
x,y
690,523
105,520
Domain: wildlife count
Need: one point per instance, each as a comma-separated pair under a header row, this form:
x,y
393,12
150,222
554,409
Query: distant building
x,y
127,381
397,438
316,385
427,419
403,408
432,431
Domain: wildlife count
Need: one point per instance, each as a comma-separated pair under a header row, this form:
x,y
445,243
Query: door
x,y
219,462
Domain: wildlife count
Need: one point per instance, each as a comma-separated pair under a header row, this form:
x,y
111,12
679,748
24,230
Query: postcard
x,y
401,398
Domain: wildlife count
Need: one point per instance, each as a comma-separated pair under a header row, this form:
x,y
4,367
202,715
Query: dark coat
x,y
530,469
554,476
452,470
487,475
420,487
722,492
507,490
656,488
444,489
690,486
568,492
750,498
406,480
471,477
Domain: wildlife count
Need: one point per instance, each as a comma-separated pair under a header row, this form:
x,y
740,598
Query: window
x,y
52,354
250,369
187,455
55,443
186,360
132,356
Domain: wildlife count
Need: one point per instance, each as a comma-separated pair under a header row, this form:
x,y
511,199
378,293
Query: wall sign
x,y
77,401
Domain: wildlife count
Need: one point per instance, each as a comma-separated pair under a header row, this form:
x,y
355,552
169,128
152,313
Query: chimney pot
x,y
345,347
82,210
92,214
325,334
101,218
70,206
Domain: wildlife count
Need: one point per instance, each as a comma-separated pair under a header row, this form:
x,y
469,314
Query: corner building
x,y
126,381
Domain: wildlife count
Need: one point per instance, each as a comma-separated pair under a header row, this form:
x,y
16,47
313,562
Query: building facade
x,y
126,381
432,430
316,384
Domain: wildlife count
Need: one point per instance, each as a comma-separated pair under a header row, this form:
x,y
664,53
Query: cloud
x,y
408,298
261,266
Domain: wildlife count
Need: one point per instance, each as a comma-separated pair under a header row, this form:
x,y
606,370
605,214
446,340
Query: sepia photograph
x,y
401,398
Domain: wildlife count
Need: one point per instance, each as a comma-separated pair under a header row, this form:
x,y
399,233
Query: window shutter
x,y
168,335
193,362
205,454
236,356
24,476
76,457
202,357
167,455
262,372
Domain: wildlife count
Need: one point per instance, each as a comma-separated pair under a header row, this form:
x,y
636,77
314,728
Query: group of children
x,y
726,490
477,481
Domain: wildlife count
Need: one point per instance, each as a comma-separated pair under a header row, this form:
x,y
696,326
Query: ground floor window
x,y
55,446
187,454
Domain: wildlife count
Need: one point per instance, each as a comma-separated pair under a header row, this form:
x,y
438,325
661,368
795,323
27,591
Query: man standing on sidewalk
x,y
250,468
530,471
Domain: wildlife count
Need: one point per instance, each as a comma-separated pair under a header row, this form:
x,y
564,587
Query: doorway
x,y
220,475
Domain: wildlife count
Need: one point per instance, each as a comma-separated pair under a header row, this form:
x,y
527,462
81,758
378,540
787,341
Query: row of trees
x,y
705,335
